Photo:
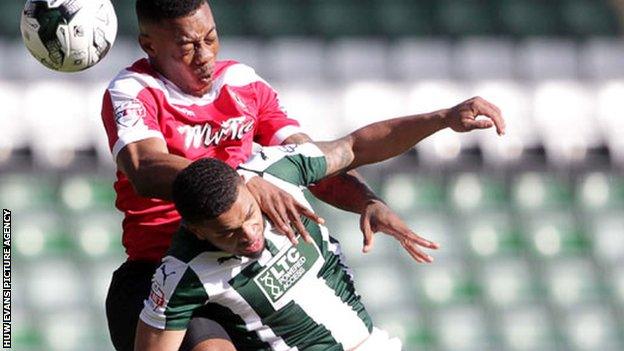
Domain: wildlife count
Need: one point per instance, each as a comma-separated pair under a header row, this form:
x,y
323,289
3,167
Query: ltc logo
x,y
286,269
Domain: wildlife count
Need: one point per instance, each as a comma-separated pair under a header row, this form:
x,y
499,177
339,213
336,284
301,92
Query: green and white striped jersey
x,y
294,297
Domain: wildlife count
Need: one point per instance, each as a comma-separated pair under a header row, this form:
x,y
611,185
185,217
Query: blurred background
x,y
531,224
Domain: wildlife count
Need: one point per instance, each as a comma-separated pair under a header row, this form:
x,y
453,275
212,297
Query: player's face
x,y
240,230
184,49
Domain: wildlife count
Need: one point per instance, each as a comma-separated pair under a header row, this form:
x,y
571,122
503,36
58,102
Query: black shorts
x,y
129,287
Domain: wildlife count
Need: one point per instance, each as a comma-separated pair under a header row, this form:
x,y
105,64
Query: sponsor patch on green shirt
x,y
286,269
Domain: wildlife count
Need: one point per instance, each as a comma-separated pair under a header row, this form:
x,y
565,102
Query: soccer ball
x,y
68,35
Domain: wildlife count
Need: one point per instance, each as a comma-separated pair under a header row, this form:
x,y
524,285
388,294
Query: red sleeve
x,y
128,119
273,123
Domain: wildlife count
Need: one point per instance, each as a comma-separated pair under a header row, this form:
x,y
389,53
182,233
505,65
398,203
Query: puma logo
x,y
165,275
263,155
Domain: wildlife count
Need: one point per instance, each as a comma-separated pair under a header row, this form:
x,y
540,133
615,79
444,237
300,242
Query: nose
x,y
203,54
248,234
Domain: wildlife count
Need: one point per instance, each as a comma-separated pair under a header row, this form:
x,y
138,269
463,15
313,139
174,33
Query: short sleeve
x,y
129,114
176,293
274,125
301,164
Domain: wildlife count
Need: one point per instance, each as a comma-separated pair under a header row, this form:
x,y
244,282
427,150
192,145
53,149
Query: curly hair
x,y
157,10
205,189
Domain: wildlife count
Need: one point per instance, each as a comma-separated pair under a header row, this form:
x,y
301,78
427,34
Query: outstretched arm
x,y
383,140
347,191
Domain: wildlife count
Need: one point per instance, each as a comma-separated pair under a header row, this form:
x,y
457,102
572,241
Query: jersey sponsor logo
x,y
289,149
263,155
156,296
164,273
234,128
286,269
128,113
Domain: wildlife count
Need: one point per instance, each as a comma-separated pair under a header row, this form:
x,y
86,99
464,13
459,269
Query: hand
x,y
378,217
463,117
282,209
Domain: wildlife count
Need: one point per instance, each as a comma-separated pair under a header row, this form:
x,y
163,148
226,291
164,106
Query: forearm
x,y
148,338
153,175
383,140
347,191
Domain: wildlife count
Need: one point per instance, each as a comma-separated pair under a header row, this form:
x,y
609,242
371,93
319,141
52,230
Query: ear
x,y
147,45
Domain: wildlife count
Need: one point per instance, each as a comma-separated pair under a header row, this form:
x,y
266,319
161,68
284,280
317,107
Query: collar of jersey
x,y
177,96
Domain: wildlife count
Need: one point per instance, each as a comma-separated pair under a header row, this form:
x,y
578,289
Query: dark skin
x,y
239,230
184,50
348,191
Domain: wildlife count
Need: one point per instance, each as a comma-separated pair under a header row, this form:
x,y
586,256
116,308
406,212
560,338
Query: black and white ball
x,y
69,35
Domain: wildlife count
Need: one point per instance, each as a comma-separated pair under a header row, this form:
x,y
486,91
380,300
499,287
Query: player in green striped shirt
x,y
228,264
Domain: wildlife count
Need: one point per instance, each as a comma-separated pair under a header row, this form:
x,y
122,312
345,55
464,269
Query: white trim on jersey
x,y
128,85
131,136
284,134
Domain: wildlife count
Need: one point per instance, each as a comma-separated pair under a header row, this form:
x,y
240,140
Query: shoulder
x,y
131,81
300,164
263,158
169,277
185,246
235,74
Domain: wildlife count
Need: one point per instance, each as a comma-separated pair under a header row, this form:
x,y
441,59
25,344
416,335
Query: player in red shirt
x,y
142,107
180,105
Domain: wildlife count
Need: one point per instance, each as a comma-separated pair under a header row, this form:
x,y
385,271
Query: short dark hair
x,y
156,10
205,189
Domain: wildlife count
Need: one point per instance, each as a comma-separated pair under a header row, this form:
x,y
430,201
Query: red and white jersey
x,y
139,103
